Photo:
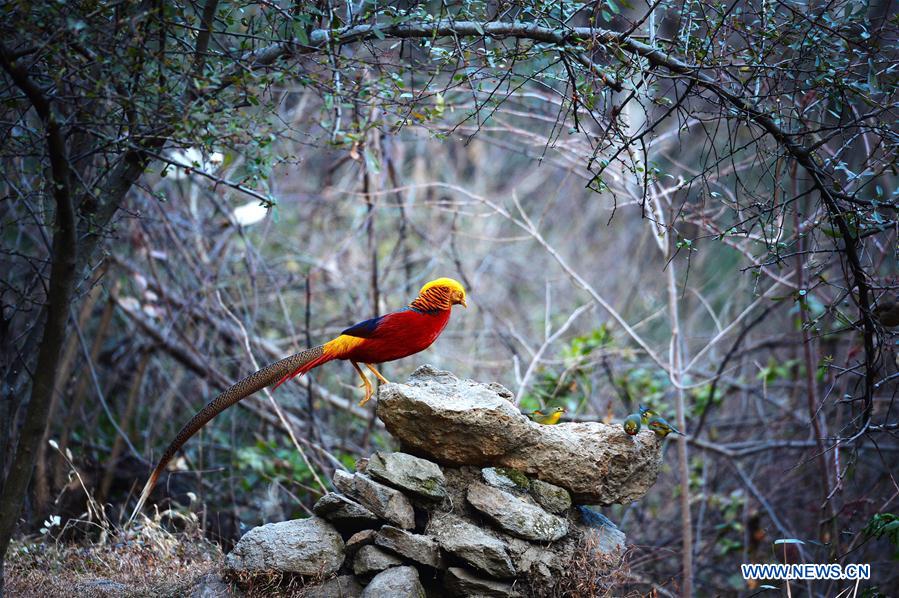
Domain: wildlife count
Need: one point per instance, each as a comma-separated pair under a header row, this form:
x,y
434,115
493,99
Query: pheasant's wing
x,y
365,329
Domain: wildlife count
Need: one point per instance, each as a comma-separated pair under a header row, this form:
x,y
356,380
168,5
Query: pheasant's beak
x,y
462,302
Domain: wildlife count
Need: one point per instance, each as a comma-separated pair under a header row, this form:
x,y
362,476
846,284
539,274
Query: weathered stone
x,y
304,546
344,481
397,582
503,477
371,558
552,498
462,422
516,516
360,539
472,544
344,513
385,502
602,534
416,547
344,586
418,476
541,565
460,582
212,585
607,539
100,586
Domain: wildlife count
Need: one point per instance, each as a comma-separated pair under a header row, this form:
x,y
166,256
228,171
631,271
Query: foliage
x,y
884,525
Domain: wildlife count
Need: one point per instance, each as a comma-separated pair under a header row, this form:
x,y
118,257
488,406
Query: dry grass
x,y
273,583
594,574
145,561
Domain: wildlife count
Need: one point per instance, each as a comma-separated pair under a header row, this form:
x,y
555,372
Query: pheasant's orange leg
x,y
366,384
377,374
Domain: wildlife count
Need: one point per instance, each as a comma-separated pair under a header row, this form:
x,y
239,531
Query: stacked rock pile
x,y
480,509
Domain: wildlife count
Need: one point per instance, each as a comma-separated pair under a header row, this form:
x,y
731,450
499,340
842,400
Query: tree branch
x,y
59,295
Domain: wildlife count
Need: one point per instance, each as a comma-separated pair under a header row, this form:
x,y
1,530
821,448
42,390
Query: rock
x,y
607,540
415,547
418,476
360,539
344,481
463,422
384,501
344,513
304,546
473,545
344,586
370,559
543,568
550,497
460,582
516,516
398,582
100,586
602,535
212,585
505,478
464,419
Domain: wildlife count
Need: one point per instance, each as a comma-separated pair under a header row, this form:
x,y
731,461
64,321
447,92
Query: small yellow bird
x,y
645,414
547,419
632,424
661,427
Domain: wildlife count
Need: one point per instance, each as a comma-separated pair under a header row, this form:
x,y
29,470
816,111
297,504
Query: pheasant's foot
x,y
368,394
377,374
366,384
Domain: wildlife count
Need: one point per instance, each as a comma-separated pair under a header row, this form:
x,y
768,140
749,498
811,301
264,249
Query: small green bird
x,y
632,424
661,427
547,419
646,413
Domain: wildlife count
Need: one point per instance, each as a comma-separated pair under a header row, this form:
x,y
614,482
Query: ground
x,y
147,561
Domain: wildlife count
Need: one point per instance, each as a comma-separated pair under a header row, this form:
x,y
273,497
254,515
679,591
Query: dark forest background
x,y
687,204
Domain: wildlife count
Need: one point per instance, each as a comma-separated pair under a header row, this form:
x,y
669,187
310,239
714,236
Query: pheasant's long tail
x,y
317,356
279,372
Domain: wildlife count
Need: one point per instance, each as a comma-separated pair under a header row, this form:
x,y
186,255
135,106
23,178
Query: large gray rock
x,y
551,497
384,501
344,586
370,559
463,422
397,582
415,547
460,582
418,476
304,546
473,545
344,513
516,516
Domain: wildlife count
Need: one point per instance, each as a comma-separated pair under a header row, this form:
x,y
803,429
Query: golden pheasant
x,y
385,338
